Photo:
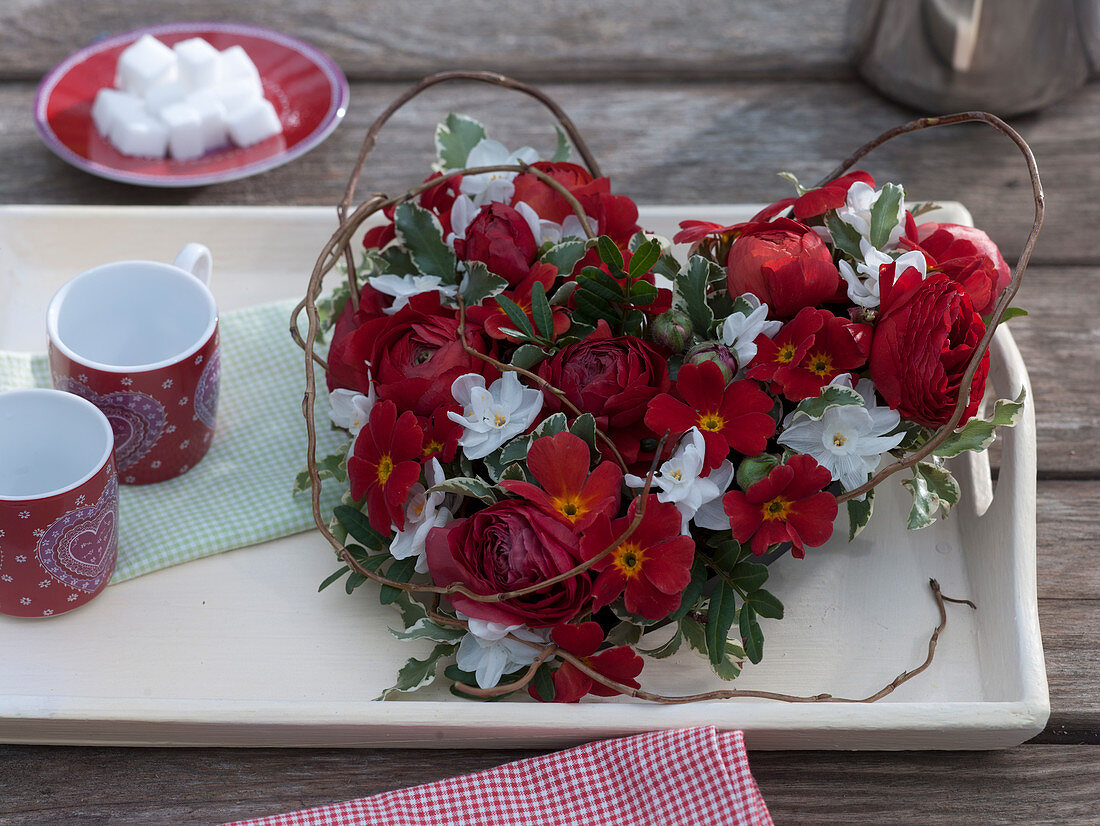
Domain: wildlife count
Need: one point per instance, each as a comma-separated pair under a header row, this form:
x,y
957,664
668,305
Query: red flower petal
x,y
579,640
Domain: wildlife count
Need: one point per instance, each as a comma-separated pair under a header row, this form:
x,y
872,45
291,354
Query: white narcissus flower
x,y
492,416
423,511
865,291
848,440
487,187
547,231
404,287
679,481
856,211
487,652
350,408
740,331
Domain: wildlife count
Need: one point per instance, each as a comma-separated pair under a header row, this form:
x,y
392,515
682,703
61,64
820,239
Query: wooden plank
x,y
1033,784
1067,538
662,143
559,39
1071,642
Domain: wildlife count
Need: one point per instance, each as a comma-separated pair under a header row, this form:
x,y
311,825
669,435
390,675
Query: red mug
x,y
58,502
139,339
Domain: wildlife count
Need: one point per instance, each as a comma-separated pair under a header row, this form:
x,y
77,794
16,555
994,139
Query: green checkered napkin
x,y
240,493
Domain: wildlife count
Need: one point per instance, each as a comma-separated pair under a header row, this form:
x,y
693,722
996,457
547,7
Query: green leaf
x,y
694,633
642,293
416,673
934,489
411,610
644,258
845,237
610,254
592,307
978,434
727,554
543,683
355,522
720,616
516,314
398,262
400,571
565,255
454,138
563,151
789,176
765,604
751,635
625,633
584,427
599,282
427,629
354,580
422,234
467,486
730,666
1011,313
528,355
541,312
689,294
749,576
666,649
884,215
333,466
693,591
859,513
560,298
832,395
331,578
479,284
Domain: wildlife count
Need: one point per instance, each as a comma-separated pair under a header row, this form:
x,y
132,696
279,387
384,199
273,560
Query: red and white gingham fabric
x,y
690,776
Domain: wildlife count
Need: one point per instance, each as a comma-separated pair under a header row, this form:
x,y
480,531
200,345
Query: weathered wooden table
x,y
683,100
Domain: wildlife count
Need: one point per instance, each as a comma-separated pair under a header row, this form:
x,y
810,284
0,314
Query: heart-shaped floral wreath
x,y
563,440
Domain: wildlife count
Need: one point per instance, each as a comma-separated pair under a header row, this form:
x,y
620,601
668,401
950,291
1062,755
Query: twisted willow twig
x,y
941,435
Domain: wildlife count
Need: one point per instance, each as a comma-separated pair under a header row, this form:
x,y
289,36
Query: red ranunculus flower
x,y
495,321
809,352
547,202
831,196
384,464
966,255
651,568
734,416
620,664
348,374
615,215
502,240
414,354
440,198
787,505
925,336
507,546
569,492
783,263
613,378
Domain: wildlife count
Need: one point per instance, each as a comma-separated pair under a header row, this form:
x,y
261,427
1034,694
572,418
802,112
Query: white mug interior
x,y
50,442
131,315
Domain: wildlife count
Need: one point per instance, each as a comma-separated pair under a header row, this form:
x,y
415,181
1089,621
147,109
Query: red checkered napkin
x,y
691,776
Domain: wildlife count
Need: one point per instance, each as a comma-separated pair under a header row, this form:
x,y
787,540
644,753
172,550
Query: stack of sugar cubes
x,y
183,101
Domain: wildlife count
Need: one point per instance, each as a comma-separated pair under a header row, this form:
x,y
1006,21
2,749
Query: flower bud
x,y
720,354
671,329
754,468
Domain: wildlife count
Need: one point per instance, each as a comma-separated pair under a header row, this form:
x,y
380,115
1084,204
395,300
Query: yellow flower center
x,y
499,420
431,448
385,468
568,508
819,364
776,508
711,421
786,353
628,559
839,439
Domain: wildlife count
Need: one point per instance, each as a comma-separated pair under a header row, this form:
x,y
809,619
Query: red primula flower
x,y
495,321
620,664
385,464
651,568
787,505
569,492
694,231
734,416
810,351
831,196
440,435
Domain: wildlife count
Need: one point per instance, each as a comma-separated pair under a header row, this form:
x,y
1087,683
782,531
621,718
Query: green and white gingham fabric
x,y
240,493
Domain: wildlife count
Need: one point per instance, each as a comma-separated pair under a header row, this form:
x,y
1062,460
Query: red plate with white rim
x,y
307,89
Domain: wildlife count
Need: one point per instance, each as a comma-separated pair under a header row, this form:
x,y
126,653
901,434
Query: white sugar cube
x,y
145,63
236,65
200,64
141,135
111,106
184,131
253,123
211,119
160,95
236,94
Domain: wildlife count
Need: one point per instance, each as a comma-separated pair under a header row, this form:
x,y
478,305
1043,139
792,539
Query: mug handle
x,y
196,259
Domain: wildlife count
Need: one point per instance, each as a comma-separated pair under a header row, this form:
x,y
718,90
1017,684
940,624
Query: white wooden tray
x,y
239,649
